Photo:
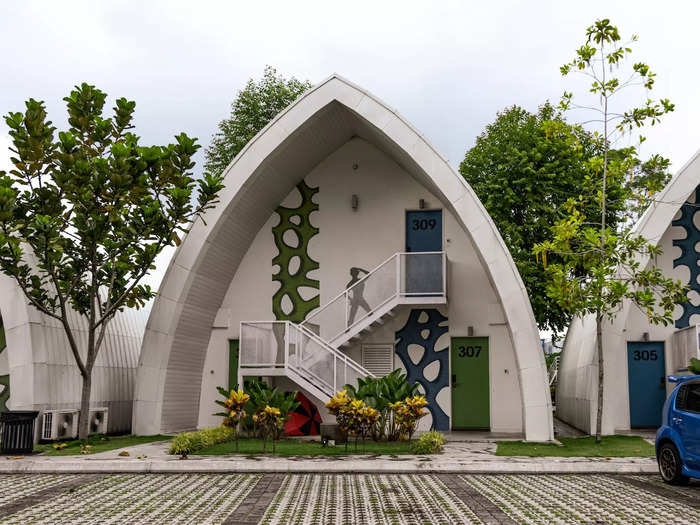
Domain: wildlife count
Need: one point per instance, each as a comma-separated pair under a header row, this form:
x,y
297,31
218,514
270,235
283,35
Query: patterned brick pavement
x,y
319,499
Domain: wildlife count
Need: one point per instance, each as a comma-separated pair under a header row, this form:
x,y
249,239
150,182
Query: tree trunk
x,y
84,420
601,375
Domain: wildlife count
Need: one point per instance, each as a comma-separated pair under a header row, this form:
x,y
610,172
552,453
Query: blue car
x,y
678,439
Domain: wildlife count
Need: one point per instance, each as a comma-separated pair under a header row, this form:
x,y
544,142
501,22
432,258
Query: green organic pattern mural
x,y
4,379
296,220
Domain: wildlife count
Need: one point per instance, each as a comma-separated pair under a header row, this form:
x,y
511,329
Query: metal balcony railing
x,y
404,274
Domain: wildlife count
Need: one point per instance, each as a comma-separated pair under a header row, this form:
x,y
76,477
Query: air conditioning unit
x,y
98,420
60,424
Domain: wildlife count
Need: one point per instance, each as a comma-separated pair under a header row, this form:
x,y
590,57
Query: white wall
x,y
365,238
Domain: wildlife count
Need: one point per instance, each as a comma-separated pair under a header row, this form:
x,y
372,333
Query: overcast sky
x,y
448,67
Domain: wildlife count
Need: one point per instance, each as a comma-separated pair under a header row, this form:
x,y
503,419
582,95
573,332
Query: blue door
x,y
424,234
647,382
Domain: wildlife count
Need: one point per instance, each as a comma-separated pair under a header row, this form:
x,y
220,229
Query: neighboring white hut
x,y
638,354
38,371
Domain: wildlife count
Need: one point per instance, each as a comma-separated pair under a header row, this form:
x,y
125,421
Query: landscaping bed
x,y
298,447
610,446
96,444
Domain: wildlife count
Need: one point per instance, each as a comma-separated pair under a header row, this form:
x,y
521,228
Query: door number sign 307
x,y
645,355
469,351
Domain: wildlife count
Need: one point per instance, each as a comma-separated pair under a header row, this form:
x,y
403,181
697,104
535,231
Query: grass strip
x,y
98,443
610,447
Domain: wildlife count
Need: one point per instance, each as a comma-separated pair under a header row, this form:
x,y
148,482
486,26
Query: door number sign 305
x,y
469,351
645,355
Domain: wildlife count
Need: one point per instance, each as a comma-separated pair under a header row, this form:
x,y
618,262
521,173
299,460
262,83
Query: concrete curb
x,y
27,466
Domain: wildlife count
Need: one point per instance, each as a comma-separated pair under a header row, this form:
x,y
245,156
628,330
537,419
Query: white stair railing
x,y
404,274
279,345
553,371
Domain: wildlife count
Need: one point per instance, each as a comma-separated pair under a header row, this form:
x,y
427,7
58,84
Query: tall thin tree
x,y
599,267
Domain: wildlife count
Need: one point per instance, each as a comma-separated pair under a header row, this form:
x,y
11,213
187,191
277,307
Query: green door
x,y
470,383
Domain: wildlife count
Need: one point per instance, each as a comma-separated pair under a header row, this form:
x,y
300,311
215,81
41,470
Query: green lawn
x,y
295,447
99,444
610,446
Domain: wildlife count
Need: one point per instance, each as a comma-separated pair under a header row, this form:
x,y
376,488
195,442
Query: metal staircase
x,y
309,353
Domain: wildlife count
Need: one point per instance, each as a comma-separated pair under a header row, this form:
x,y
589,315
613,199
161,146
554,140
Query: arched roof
x,y
267,169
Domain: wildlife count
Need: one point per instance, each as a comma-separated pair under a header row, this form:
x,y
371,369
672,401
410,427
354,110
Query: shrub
x,y
407,413
354,417
261,396
270,421
380,393
428,443
188,443
694,366
234,403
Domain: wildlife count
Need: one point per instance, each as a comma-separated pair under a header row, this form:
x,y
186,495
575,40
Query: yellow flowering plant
x,y
338,402
270,420
408,412
234,411
354,417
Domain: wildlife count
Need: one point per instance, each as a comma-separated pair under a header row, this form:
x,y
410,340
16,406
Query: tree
x,y
83,217
600,265
255,105
523,168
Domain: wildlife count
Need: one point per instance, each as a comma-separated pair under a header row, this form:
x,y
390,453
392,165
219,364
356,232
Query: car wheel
x,y
671,466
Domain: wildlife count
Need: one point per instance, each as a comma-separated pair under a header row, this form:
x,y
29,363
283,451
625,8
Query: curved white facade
x,y
220,275
578,373
42,371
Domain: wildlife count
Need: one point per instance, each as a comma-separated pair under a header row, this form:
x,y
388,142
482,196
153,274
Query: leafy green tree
x,y
598,266
525,167
255,105
84,215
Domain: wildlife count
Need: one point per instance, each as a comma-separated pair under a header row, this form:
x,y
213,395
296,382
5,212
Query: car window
x,y
688,398
681,397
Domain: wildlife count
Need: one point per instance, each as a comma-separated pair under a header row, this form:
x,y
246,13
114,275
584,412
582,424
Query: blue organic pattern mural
x,y
426,334
689,256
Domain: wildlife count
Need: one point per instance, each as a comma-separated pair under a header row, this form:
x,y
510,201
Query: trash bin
x,y
17,431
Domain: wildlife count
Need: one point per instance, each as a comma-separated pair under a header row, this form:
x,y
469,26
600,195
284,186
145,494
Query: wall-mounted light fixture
x,y
470,331
355,165
354,202
645,336
421,204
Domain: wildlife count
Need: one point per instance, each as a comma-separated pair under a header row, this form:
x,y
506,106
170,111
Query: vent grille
x,y
48,421
378,358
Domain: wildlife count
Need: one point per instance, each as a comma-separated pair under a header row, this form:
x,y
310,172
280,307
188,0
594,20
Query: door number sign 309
x,y
469,351
645,355
424,224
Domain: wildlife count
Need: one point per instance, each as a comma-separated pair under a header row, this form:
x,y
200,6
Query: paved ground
x,y
344,498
